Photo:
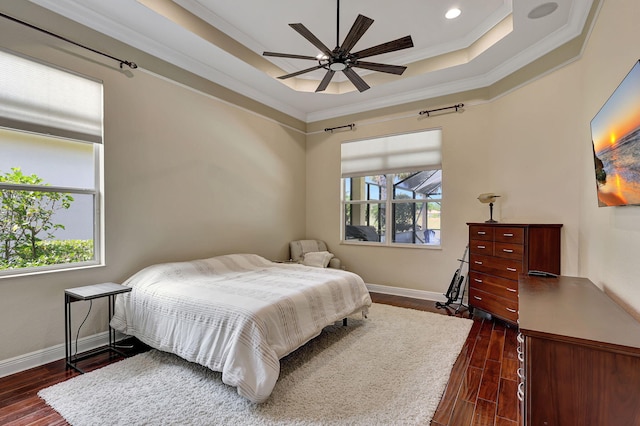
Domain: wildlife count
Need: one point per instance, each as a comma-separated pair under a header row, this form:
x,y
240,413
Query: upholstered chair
x,y
313,253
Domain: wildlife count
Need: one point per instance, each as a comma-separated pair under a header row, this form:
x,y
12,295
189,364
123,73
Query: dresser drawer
x,y
510,235
505,268
509,250
481,247
479,232
504,308
501,287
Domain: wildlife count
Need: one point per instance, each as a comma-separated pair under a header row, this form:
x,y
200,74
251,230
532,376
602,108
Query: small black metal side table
x,y
90,292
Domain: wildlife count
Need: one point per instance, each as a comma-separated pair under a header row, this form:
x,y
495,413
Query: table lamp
x,y
489,197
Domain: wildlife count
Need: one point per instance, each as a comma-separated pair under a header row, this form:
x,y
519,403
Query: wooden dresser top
x,y
531,225
575,310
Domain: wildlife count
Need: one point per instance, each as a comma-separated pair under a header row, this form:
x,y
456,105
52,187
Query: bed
x,y
238,314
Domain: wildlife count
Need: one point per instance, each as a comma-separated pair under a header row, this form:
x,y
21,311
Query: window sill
x,y
392,245
26,272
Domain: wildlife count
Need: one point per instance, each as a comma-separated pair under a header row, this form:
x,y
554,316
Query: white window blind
x,y
392,154
43,99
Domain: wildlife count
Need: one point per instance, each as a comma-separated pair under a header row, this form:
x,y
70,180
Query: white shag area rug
x,y
389,369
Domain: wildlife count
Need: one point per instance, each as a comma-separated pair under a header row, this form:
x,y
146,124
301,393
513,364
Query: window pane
x,y
58,162
45,228
364,222
416,223
417,185
365,188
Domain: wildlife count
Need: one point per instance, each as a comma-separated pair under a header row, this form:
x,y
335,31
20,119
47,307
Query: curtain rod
x,y
428,111
131,65
331,129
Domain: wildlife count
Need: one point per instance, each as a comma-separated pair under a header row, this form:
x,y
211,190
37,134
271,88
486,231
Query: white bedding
x,y
238,314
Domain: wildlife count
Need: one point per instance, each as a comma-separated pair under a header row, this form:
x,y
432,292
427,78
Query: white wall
x,y
609,236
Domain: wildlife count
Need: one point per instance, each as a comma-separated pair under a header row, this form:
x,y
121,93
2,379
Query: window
x,y
392,190
50,168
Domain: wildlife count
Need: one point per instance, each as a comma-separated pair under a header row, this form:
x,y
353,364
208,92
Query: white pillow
x,y
318,259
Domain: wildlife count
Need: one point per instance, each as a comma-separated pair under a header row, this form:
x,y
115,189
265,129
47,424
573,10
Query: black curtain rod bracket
x,y
427,112
123,62
331,129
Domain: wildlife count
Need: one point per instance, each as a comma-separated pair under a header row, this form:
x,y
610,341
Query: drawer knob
x,y
513,290
512,269
477,298
513,311
482,247
478,280
482,233
507,250
508,235
477,262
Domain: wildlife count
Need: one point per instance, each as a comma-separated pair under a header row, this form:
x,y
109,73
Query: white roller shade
x,y
392,154
43,99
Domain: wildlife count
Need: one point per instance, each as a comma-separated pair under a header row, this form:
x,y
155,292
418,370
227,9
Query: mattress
x,y
237,314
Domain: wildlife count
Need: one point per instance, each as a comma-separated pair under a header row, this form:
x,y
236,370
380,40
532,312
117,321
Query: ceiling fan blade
x,y
293,74
357,81
325,81
304,32
390,46
391,69
287,55
360,26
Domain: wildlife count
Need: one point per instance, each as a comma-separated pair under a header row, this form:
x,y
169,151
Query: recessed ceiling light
x,y
452,13
542,10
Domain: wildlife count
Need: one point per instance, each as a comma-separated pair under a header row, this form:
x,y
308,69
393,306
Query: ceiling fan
x,y
341,58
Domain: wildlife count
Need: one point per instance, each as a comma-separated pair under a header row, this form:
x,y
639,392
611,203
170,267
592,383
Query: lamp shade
x,y
487,197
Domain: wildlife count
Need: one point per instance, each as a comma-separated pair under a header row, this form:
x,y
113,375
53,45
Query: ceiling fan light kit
x,y
341,58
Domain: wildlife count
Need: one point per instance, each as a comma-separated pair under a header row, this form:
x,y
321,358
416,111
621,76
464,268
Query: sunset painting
x,y
615,133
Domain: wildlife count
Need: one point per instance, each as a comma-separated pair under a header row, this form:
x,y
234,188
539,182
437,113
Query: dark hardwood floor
x,y
481,389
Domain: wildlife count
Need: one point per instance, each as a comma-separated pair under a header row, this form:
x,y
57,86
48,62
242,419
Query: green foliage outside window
x,y
27,228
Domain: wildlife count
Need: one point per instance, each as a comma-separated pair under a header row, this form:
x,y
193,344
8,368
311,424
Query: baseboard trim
x,y
51,354
407,292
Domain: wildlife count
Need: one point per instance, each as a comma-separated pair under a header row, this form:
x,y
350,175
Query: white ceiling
x,y
491,39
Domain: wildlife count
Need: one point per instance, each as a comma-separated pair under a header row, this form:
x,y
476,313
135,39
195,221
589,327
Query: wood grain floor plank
x,y
500,421
508,399
484,414
496,344
471,384
510,343
509,368
490,381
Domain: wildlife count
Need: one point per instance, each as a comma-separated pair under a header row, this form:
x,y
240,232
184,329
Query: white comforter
x,y
238,314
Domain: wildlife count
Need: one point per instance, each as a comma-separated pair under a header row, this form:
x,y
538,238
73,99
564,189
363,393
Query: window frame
x,y
391,155
98,219
389,202
83,129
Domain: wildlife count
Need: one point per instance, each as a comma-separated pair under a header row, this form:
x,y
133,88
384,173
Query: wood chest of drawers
x,y
498,253
579,354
